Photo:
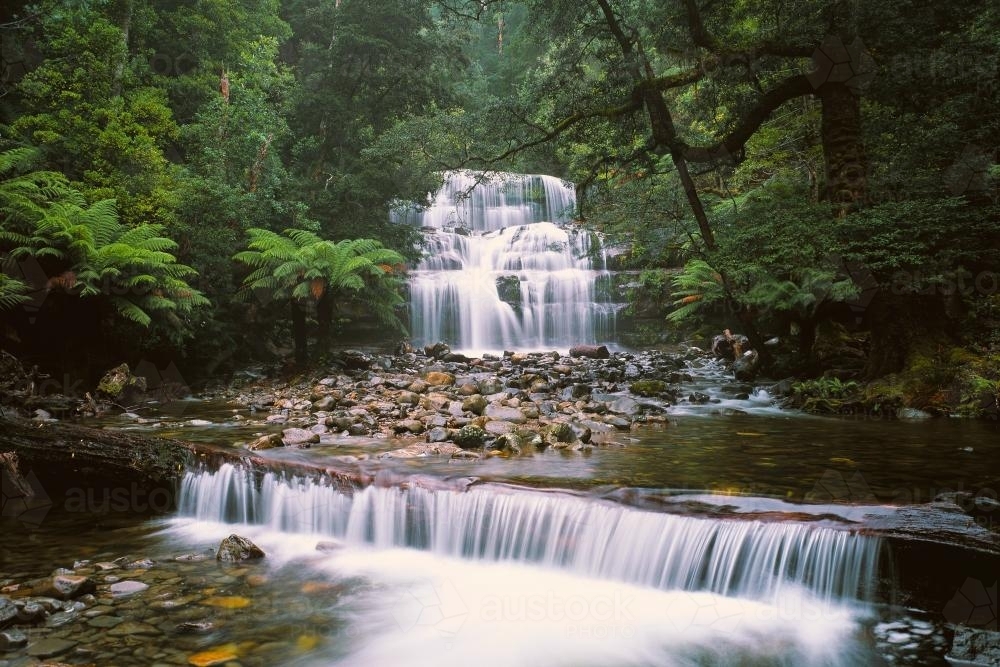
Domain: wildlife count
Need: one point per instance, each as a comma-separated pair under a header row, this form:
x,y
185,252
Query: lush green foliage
x,y
707,139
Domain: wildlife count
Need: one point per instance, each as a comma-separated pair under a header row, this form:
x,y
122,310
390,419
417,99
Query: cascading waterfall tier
x,y
730,557
504,268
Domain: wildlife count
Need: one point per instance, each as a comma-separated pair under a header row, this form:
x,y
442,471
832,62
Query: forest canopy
x,y
784,170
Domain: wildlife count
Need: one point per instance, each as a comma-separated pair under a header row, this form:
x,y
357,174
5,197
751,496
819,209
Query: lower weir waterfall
x,y
500,575
504,267
559,531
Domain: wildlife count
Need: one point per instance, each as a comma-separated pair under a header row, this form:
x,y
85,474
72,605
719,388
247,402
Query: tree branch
x,y
790,88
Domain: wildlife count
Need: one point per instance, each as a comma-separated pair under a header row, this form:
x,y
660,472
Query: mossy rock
x,y
119,381
470,437
648,388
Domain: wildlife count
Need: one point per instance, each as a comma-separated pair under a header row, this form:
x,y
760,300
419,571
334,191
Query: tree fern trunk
x,y
299,334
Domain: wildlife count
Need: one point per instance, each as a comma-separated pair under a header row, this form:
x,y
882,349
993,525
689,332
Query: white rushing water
x,y
499,577
730,557
504,267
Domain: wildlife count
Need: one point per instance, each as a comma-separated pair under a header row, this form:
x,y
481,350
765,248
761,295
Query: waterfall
x,y
750,559
505,268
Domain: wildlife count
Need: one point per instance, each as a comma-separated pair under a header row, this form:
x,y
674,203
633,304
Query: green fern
x,y
697,287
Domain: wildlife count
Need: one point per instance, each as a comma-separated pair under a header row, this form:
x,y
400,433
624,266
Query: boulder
x,y
235,549
746,366
437,350
728,345
439,378
269,441
475,404
590,351
504,413
299,437
648,387
470,437
119,384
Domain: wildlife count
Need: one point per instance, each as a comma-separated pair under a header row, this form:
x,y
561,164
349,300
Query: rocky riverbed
x,y
445,404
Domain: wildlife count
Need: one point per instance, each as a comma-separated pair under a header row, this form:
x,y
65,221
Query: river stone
x,y
105,621
623,405
30,613
469,437
8,612
504,413
408,398
414,426
498,427
298,436
325,403
439,378
49,647
560,433
438,434
236,548
127,587
12,639
68,586
474,404
132,628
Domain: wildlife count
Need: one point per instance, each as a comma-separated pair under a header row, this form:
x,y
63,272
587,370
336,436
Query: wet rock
x,y
414,426
504,413
698,398
325,403
269,441
475,404
127,587
465,454
729,346
470,437
439,378
327,547
119,384
912,413
195,627
12,639
67,586
105,622
438,434
490,386
297,437
236,548
420,450
575,391
590,351
437,350
31,613
498,427
50,647
745,368
509,442
976,646
648,387
623,405
129,628
8,612
560,433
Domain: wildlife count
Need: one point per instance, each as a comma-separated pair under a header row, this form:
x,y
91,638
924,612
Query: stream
x,y
539,562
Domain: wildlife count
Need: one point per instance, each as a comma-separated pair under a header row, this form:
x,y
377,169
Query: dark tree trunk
x,y
843,150
324,316
299,334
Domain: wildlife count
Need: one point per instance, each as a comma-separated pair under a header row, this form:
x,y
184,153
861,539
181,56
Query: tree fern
x,y
696,287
